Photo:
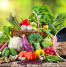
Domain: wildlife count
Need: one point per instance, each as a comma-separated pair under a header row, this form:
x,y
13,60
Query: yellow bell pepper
x,y
39,52
46,27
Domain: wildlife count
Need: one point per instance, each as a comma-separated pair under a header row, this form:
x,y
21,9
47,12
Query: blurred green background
x,y
22,8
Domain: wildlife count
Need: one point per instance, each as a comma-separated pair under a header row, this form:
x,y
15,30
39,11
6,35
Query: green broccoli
x,y
35,39
36,46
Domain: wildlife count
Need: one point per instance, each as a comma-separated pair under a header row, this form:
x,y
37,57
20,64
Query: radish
x,y
52,47
48,48
47,52
44,49
52,50
52,53
5,45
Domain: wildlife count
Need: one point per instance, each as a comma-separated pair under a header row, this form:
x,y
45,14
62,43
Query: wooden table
x,y
14,64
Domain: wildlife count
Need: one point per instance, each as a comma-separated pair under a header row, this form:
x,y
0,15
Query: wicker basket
x,y
19,33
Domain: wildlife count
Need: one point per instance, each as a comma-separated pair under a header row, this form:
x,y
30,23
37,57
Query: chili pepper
x,y
39,52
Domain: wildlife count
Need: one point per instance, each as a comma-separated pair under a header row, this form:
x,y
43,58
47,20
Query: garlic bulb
x,y
29,27
23,27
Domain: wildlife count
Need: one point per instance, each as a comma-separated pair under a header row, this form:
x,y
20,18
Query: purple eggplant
x,y
27,46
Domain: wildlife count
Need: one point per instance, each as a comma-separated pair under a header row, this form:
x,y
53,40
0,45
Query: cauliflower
x,y
16,43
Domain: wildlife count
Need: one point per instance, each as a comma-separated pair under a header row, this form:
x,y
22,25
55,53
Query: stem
x,y
9,37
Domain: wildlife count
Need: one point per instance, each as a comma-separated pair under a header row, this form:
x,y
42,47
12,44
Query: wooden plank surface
x,y
52,65
62,64
14,64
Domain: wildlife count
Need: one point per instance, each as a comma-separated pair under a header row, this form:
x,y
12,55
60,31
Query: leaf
x,y
6,29
43,13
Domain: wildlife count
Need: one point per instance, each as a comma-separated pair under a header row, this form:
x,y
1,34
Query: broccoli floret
x,y
35,39
36,46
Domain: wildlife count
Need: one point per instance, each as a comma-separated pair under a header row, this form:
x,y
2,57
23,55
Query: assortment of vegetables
x,y
33,49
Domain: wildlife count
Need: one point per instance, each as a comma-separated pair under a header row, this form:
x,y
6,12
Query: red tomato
x,y
30,56
23,53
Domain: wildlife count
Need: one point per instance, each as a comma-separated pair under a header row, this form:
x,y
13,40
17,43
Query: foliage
x,y
43,13
5,35
53,58
59,21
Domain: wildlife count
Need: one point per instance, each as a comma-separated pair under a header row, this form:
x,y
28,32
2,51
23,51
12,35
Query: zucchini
x,y
52,28
7,53
13,52
4,50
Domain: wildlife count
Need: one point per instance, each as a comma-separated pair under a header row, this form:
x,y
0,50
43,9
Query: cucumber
x,y
52,28
4,50
7,53
13,52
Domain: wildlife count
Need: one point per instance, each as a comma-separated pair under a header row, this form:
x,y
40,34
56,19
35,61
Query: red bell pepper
x,y
25,22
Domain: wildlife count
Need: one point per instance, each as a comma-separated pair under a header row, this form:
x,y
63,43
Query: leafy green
x,y
59,21
43,13
53,58
5,35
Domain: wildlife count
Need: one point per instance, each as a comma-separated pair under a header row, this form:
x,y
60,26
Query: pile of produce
x,y
33,49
